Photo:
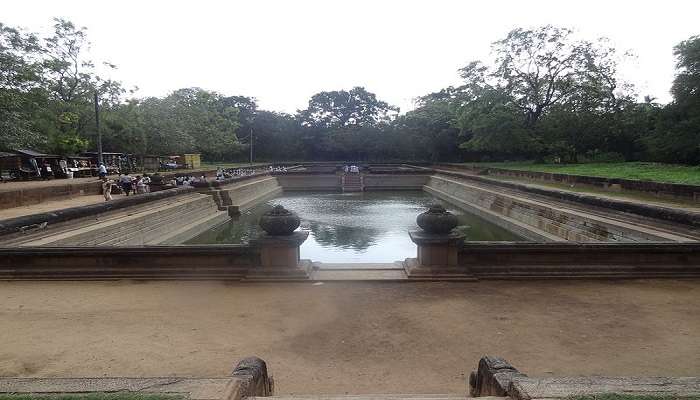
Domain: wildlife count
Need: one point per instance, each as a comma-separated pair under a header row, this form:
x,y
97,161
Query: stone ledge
x,y
191,388
495,376
646,210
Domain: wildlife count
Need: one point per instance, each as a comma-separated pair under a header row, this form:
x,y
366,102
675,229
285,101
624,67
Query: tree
x,y
541,74
21,94
346,109
676,137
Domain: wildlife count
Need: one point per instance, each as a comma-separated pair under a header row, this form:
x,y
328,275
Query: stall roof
x,y
6,154
104,153
32,153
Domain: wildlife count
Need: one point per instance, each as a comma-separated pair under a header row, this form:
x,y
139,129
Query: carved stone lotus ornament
x,y
279,221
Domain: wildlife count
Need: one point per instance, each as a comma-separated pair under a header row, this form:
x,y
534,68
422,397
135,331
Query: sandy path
x,y
350,337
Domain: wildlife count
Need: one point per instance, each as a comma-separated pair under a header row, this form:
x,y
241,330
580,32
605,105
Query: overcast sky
x,y
282,52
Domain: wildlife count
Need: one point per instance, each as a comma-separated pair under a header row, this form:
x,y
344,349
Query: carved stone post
x,y
438,247
279,248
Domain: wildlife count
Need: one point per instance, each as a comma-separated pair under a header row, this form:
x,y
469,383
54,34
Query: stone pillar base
x,y
279,258
419,272
437,257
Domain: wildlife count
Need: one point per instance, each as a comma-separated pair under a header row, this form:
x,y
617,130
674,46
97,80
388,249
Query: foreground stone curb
x,y
249,379
497,377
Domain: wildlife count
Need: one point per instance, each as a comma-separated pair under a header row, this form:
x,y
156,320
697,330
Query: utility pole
x,y
100,159
251,145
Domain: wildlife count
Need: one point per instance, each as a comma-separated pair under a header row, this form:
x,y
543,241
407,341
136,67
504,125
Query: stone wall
x,y
320,182
240,196
539,221
107,263
660,189
394,181
36,195
498,260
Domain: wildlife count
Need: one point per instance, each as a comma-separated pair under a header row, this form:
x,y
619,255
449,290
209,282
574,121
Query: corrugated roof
x,y
30,153
6,154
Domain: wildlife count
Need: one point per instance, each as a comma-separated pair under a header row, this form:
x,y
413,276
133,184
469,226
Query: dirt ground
x,y
350,337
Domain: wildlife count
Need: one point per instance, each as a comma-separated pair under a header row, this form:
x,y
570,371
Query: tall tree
x,y
347,109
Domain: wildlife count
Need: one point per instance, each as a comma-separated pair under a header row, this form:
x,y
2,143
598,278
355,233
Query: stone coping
x,y
421,237
73,251
495,376
190,388
249,378
565,247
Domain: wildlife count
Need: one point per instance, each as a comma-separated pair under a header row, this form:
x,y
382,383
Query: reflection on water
x,y
354,227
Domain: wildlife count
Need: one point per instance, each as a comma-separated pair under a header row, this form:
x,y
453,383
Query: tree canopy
x,y
544,93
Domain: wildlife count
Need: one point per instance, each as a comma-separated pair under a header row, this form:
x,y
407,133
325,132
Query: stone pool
x,y
354,227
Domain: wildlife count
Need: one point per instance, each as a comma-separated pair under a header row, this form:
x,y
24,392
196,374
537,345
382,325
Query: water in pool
x,y
354,227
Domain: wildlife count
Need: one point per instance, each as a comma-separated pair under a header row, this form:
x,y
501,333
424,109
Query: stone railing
x,y
443,254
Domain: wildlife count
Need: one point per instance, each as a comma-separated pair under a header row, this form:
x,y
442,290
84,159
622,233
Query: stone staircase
x,y
352,183
167,221
372,397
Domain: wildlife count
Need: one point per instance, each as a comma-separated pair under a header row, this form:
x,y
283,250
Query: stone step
x,y
373,397
142,230
80,223
155,231
105,230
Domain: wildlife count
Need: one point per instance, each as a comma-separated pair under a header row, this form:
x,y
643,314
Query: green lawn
x,y
629,170
92,396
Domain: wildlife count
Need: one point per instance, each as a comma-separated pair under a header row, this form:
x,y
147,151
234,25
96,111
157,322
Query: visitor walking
x,y
102,171
107,189
125,183
140,185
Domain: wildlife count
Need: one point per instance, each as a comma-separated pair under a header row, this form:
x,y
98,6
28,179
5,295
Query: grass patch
x,y
645,171
615,396
92,396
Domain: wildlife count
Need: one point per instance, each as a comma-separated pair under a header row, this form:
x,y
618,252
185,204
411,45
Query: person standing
x,y
140,185
107,189
125,183
102,171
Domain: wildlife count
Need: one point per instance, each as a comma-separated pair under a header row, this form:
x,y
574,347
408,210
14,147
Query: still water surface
x,y
354,227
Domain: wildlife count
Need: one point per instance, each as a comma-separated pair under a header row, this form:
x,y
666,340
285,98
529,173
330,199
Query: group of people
x,y
187,180
226,173
353,169
126,183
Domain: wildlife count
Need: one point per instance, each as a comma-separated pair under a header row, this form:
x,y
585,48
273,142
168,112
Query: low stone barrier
x,y
498,260
495,376
229,262
36,195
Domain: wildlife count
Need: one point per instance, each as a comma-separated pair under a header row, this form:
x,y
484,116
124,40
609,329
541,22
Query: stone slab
x,y
359,275
526,388
192,388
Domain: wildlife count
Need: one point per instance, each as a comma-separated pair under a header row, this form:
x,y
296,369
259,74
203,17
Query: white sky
x,y
282,52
